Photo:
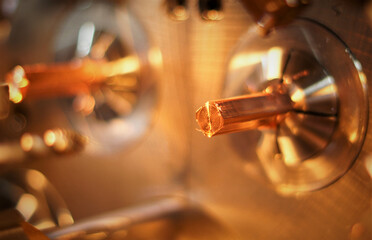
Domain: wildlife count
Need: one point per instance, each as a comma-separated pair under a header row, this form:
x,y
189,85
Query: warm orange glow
x,y
23,83
212,15
244,60
241,113
84,104
17,83
122,66
36,180
180,13
27,142
155,57
56,139
209,132
274,63
368,165
45,224
49,138
64,217
27,205
73,78
298,96
18,74
15,96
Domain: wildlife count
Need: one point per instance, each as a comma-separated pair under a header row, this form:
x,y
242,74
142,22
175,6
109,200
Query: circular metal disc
x,y
335,127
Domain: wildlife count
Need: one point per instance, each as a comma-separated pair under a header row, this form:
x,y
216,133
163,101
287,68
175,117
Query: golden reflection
x,y
298,96
363,78
45,224
32,144
96,236
49,138
274,63
36,180
243,60
241,113
64,141
289,151
123,83
179,13
124,65
155,57
68,79
284,190
353,137
17,84
27,142
56,139
27,205
64,217
368,165
212,15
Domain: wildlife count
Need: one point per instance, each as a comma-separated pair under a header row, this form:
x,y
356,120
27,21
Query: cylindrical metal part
x,y
242,113
65,79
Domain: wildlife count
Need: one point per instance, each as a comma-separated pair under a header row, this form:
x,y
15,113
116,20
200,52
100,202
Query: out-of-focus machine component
x,y
210,10
13,226
177,9
104,75
35,198
288,149
312,110
270,14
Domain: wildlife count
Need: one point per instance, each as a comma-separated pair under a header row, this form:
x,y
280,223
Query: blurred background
x,y
99,118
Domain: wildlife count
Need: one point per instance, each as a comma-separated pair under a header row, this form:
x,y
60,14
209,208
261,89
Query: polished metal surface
x,y
316,142
104,81
173,158
242,113
105,33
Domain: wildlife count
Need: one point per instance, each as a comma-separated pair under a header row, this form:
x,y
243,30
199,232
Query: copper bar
x,y
242,113
64,79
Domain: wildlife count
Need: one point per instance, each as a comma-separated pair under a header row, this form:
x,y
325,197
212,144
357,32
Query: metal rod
x,y
121,219
65,79
242,113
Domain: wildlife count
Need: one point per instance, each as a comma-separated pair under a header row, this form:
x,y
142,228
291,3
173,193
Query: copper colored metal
x,y
242,113
64,79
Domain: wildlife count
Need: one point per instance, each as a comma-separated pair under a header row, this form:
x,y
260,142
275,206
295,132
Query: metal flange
x,y
316,142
